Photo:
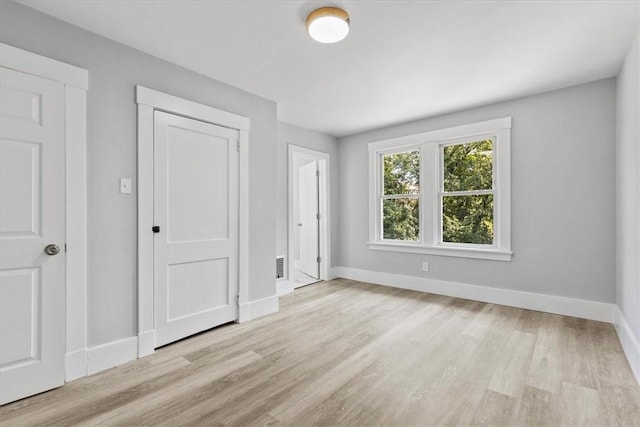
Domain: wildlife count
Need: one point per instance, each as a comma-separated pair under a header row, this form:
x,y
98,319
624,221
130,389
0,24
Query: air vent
x,y
280,267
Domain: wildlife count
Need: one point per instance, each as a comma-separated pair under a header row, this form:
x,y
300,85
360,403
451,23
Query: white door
x,y
32,217
308,219
196,210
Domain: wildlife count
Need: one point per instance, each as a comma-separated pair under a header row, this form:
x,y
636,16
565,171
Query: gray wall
x,y
289,134
563,197
114,70
628,190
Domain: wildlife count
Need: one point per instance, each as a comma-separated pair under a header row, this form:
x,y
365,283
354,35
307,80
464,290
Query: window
x,y
401,196
467,192
445,192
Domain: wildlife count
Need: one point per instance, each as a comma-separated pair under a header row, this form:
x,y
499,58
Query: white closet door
x,y
196,210
32,218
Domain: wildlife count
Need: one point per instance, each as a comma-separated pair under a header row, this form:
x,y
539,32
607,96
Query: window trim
x,y
430,146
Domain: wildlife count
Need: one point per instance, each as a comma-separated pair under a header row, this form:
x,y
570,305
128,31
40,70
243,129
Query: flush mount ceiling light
x,y
328,24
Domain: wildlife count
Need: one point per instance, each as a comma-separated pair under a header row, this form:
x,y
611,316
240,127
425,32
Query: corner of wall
x,y
284,287
629,342
627,319
75,365
112,354
259,308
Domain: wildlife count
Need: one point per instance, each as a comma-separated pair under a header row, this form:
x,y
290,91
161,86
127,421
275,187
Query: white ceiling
x,y
402,60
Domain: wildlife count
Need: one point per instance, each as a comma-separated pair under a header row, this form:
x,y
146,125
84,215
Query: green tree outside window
x,y
467,214
400,203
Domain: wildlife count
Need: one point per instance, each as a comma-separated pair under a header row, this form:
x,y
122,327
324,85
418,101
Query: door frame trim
x,y
76,84
147,101
324,166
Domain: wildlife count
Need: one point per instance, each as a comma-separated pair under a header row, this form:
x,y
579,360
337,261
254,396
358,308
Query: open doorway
x,y
308,215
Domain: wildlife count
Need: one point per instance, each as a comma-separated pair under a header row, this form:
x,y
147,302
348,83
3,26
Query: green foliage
x,y
401,217
402,173
468,218
468,167
465,218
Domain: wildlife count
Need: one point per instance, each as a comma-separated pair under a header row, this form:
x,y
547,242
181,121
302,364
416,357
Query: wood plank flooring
x,y
344,353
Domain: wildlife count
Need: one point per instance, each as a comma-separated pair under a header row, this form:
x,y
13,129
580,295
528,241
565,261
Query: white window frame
x,y
380,196
430,144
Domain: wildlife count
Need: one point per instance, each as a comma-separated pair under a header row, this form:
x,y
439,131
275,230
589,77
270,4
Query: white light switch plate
x,y
125,186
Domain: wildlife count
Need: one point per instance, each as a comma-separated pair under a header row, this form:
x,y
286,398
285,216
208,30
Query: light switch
x,y
125,186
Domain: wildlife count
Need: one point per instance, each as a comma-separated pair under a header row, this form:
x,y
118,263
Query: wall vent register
x,y
280,267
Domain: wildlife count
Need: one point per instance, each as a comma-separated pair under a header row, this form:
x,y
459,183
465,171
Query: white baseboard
x,y
111,354
87,362
243,312
338,272
259,308
146,343
284,287
629,342
574,307
75,365
118,352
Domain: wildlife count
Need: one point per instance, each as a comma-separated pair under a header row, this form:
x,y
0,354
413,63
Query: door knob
x,y
300,225
51,249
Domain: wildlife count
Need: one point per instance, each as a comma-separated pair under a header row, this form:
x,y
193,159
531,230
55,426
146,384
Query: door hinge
x,y
317,172
238,145
317,216
65,247
319,259
155,228
238,300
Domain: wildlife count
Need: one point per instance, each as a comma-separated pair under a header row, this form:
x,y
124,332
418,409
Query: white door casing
x,y
149,101
32,216
75,83
196,210
308,221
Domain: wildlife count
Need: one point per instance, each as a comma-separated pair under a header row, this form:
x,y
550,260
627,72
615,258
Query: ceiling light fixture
x,y
328,24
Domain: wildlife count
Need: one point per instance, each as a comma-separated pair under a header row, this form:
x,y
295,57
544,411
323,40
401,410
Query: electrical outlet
x,y
125,186
425,266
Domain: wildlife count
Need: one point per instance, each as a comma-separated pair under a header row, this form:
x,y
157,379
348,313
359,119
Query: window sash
x,y
463,141
381,196
441,193
381,218
440,236
380,168
400,196
466,193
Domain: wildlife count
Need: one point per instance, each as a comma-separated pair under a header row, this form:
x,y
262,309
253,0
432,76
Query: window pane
x,y
467,219
468,167
400,219
402,173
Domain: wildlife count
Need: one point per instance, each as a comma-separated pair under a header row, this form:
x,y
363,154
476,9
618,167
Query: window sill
x,y
490,254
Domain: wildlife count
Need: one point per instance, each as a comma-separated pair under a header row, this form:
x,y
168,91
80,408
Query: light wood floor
x,y
344,353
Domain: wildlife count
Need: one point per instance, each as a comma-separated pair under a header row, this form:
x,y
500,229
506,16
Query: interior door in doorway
x,y
196,212
308,221
32,235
